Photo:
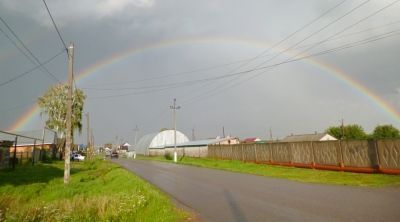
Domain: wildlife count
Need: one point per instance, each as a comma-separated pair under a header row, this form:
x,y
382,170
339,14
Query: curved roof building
x,y
159,141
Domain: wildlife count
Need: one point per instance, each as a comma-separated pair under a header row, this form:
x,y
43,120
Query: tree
x,y
385,131
352,131
54,105
355,132
335,131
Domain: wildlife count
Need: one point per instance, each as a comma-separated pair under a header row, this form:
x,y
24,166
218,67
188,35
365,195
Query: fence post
x,y
255,153
341,154
378,161
291,150
313,155
33,152
15,152
231,152
271,158
42,148
242,153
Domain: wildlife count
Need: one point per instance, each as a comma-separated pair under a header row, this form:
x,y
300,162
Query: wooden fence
x,y
369,156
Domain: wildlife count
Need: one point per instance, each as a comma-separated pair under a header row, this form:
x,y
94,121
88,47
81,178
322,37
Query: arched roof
x,y
159,140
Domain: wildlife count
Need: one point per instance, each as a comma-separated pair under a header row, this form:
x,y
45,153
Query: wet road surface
x,y
225,196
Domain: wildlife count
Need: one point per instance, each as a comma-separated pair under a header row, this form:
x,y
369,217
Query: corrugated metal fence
x,y
367,156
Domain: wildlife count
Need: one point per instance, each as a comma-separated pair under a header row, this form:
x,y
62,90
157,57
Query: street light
x,y
174,108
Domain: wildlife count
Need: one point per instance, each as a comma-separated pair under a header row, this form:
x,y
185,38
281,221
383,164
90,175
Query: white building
x,y
198,148
309,137
158,141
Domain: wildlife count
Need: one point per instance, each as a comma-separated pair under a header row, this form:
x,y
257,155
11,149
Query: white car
x,y
78,157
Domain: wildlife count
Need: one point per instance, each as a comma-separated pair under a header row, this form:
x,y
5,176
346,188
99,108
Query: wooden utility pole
x,y
88,146
270,134
136,130
68,141
91,143
223,132
342,128
193,136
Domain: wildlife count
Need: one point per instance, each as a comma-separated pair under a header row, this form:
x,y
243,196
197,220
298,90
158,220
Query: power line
x,y
340,48
30,70
164,76
218,88
343,47
247,61
294,33
17,46
55,26
29,51
349,27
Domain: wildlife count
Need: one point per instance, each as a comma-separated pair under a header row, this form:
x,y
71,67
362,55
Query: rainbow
x,y
26,118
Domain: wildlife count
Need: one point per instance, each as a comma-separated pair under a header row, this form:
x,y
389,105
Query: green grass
x,y
291,173
98,191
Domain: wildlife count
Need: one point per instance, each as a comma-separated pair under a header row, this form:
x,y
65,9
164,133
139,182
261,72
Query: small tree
x,y
385,131
352,131
53,104
355,132
335,131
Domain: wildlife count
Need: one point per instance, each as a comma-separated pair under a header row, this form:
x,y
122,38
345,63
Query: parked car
x,y
78,157
114,155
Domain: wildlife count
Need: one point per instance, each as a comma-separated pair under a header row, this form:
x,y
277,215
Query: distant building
x,y
308,137
251,140
197,148
158,141
125,146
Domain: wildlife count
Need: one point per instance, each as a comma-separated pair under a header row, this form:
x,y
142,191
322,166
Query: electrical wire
x,y
55,26
30,70
28,50
17,46
247,61
216,90
225,85
340,48
343,47
231,63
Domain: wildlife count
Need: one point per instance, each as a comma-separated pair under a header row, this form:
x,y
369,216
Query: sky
x,y
133,57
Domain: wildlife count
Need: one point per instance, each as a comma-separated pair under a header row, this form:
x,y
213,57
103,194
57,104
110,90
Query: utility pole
x,y
42,148
223,131
88,148
342,128
91,143
136,130
69,114
174,108
270,134
193,136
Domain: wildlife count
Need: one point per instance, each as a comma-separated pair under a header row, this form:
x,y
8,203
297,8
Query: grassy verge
x,y
291,173
98,191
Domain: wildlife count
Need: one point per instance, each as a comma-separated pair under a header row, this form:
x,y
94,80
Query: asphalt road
x,y
224,196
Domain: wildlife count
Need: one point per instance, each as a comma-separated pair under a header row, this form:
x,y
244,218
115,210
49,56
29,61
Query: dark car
x,y
114,155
